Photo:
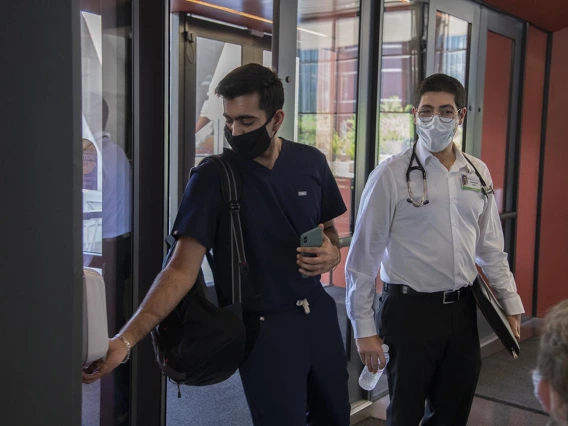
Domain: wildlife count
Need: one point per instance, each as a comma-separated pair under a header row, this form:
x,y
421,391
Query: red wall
x,y
535,64
496,107
553,265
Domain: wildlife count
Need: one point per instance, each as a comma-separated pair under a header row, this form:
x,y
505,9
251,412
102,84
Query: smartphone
x,y
311,238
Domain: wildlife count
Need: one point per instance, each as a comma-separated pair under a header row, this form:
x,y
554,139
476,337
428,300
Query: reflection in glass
x,y
215,59
328,56
107,187
452,44
328,53
452,52
400,75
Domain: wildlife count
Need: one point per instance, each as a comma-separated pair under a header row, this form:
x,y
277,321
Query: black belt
x,y
439,296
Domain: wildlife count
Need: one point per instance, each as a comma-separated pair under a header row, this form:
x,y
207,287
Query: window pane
x,y
452,53
328,52
107,185
452,44
400,75
328,56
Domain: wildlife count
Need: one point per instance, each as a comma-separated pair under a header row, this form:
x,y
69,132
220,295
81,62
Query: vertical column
x,y
284,39
40,218
150,30
370,39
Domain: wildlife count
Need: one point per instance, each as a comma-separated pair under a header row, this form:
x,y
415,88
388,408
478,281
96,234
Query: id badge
x,y
470,183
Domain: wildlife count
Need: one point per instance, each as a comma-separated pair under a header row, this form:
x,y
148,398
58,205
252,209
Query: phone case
x,y
311,238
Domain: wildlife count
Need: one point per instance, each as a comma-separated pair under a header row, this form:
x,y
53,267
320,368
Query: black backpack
x,y
199,343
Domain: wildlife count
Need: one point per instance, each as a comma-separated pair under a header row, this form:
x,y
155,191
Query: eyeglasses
x,y
446,116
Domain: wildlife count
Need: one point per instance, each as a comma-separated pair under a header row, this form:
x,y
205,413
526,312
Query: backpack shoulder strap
x,y
231,190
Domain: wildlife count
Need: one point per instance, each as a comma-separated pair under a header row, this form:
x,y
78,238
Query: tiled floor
x,y
483,413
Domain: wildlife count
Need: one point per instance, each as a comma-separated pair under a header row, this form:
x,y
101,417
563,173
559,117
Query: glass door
x,y
402,67
207,52
108,187
496,140
458,31
327,65
453,30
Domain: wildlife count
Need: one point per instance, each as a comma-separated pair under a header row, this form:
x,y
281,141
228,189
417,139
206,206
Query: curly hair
x,y
552,360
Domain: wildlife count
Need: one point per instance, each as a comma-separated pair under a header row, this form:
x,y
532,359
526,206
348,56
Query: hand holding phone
x,y
311,238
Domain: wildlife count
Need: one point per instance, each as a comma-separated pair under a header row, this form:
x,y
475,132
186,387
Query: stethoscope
x,y
485,189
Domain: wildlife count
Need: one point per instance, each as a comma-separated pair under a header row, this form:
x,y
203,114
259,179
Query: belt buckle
x,y
447,302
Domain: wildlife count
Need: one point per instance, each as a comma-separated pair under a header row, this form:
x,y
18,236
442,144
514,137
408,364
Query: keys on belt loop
x,y
305,304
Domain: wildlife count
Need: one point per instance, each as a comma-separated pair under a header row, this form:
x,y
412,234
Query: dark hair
x,y
254,78
442,83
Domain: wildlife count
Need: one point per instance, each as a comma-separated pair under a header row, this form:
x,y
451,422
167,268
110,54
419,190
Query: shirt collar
x,y
423,154
461,162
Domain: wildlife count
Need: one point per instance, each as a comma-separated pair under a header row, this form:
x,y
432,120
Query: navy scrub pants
x,y
296,373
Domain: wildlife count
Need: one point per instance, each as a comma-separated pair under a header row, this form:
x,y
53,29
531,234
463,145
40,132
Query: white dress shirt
x,y
430,248
117,189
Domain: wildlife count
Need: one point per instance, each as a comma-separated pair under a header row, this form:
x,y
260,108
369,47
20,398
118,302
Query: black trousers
x,y
435,359
296,372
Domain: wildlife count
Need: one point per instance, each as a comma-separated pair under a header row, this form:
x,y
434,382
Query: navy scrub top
x,y
277,206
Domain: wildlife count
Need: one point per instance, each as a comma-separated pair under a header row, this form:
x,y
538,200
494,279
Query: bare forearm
x,y
164,295
333,236
331,233
170,286
167,291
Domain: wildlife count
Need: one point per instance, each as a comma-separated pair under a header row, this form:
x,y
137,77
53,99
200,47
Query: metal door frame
x,y
514,30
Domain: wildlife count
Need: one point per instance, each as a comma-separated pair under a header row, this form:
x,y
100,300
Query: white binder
x,y
95,329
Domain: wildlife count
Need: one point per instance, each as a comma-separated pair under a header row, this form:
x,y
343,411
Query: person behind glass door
x,y
296,356
426,232
551,374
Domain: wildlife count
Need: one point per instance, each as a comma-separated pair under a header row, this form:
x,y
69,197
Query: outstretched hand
x,y
101,367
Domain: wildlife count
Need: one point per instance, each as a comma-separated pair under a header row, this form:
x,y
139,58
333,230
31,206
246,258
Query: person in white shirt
x,y
427,216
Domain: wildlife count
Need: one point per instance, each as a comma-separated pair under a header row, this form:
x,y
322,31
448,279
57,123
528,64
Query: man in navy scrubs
x,y
296,371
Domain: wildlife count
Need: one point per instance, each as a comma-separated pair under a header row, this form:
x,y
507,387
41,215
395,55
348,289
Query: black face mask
x,y
252,144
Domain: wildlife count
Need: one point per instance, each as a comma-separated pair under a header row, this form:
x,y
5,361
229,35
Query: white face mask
x,y
435,135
